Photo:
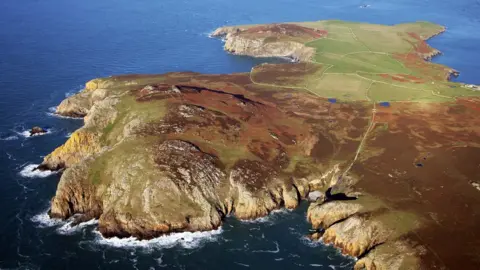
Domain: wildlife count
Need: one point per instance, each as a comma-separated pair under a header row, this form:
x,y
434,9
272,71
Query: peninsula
x,y
360,116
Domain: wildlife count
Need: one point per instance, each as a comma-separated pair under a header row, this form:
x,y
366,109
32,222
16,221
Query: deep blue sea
x,y
50,48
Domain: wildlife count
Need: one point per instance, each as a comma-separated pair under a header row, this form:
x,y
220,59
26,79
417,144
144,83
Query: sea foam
x,y
52,112
276,250
9,138
29,172
64,227
43,220
74,91
68,229
270,218
26,133
187,240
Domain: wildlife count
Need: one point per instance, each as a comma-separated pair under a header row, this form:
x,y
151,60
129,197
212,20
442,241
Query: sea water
x,y
50,48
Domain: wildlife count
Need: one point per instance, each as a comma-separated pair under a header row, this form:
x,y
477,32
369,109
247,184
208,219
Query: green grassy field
x,y
353,56
347,87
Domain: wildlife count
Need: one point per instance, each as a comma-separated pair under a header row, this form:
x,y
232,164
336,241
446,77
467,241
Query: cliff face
x,y
365,228
180,151
99,111
144,163
261,48
280,40
182,189
392,255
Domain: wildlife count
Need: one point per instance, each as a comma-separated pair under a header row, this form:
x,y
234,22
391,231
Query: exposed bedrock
x,y
237,43
366,229
259,48
85,141
354,241
392,255
180,151
182,189
80,104
75,195
178,156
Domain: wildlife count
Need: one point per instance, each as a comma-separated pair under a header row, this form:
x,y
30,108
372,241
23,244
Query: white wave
x,y
311,243
277,249
73,91
345,256
348,265
209,34
9,138
43,220
65,227
10,156
271,218
316,265
160,262
69,135
26,133
364,6
242,264
68,229
187,240
279,259
52,111
30,172
332,266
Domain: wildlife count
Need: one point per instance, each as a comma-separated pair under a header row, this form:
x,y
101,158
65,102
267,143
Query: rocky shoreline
x,y
344,224
434,52
180,151
237,44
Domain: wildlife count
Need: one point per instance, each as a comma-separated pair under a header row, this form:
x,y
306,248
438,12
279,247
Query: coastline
x,y
341,220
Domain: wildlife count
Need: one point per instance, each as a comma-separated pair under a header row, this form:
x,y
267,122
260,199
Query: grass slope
x,y
354,56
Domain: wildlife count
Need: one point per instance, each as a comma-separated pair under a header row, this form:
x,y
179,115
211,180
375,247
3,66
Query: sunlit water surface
x,y
49,48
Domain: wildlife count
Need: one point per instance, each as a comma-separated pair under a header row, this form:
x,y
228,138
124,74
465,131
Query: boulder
x,y
37,131
316,196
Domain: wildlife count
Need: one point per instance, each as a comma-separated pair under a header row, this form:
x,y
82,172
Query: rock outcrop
x,y
323,215
356,235
392,255
189,191
270,42
37,131
259,48
143,163
180,151
85,141
366,229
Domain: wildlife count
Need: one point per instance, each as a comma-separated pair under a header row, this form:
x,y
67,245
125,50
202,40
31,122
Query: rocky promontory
x,y
180,151
202,153
276,40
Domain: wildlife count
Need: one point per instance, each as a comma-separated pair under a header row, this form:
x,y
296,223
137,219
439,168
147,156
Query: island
x,y
388,145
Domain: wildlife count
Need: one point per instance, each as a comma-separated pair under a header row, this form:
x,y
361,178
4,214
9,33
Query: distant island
x,y
385,144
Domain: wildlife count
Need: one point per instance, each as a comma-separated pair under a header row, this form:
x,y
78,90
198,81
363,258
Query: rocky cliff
x,y
180,151
273,41
246,164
